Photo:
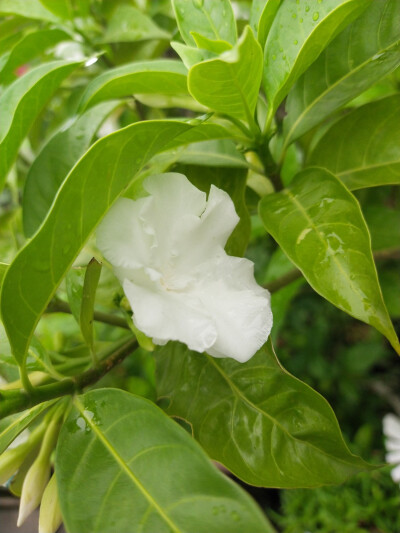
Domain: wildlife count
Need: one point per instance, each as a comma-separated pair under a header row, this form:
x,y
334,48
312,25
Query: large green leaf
x,y
95,182
30,46
61,8
12,426
230,83
161,76
219,153
319,225
129,24
56,159
143,473
21,102
308,28
266,426
35,9
211,19
3,269
367,50
363,147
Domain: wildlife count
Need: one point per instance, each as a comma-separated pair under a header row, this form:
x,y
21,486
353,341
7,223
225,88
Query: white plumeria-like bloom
x,y
167,249
391,430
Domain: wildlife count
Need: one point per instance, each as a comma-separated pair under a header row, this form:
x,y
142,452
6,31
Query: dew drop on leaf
x,y
315,16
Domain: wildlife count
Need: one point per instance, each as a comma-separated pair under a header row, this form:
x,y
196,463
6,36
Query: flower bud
x,y
39,473
50,513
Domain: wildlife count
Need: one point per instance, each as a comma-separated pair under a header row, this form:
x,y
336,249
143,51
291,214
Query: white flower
x,y
167,249
391,430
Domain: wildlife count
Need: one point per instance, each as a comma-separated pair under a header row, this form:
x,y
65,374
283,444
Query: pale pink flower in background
x,y
167,250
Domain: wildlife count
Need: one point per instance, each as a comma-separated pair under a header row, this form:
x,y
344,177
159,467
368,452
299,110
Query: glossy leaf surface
x,y
262,16
308,28
230,83
90,283
19,7
263,424
21,102
87,193
128,442
162,76
363,147
319,225
365,51
55,160
211,19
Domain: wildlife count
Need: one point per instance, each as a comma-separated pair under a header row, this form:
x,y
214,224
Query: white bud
x,y
50,517
32,490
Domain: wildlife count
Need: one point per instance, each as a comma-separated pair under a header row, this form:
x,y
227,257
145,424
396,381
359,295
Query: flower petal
x,y
203,239
391,426
240,308
121,236
393,457
395,473
166,315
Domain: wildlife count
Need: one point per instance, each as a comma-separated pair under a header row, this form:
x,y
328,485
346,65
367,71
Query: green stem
x,y
18,400
59,306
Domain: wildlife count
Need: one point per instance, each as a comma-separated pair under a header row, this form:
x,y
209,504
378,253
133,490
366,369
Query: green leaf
x,y
233,181
363,147
74,286
263,424
87,193
60,8
219,153
130,445
20,104
230,83
214,46
55,160
19,7
30,46
367,50
129,24
3,269
161,76
262,16
319,225
307,31
190,55
92,276
211,19
12,426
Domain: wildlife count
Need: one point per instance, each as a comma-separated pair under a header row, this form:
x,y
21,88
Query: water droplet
x,y
280,49
215,510
320,1
274,57
284,56
307,9
301,19
295,41
294,15
315,16
235,516
66,249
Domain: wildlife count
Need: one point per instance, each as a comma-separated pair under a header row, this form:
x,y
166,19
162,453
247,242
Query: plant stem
x,y
59,306
15,401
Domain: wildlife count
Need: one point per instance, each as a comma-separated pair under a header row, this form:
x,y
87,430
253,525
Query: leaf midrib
x,y
121,462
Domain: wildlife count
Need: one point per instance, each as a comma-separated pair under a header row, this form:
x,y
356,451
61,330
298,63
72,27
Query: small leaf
x,y
20,104
263,424
367,50
130,445
92,276
319,225
30,46
230,83
214,46
219,153
87,193
214,20
363,147
307,31
19,7
55,160
262,16
12,426
129,24
161,76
